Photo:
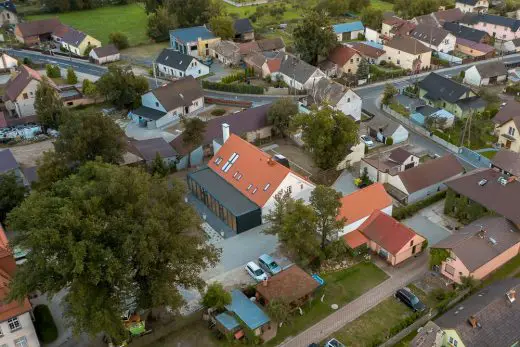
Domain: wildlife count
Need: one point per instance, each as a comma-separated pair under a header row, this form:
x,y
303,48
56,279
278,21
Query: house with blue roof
x,y
194,41
244,313
349,31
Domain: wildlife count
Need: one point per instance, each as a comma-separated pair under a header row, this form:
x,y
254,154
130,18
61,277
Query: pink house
x,y
502,28
479,248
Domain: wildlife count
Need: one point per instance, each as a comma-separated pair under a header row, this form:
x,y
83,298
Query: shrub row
x,y
405,323
401,213
233,88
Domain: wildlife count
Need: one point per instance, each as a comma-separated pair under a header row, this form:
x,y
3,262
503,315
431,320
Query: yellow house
x,y
77,42
509,134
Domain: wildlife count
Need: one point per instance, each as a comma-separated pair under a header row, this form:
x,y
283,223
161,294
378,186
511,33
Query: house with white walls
x,y
433,37
485,74
297,73
174,64
336,96
475,6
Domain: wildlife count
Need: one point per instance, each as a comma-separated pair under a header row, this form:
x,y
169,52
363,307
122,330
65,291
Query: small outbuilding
x,y
485,74
104,54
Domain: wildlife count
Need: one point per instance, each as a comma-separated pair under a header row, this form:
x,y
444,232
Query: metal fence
x,y
475,158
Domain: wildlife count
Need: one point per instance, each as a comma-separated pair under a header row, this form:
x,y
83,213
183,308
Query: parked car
x,y
410,300
367,140
334,343
268,264
256,272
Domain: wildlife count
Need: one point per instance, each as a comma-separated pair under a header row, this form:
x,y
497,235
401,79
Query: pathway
x,y
400,277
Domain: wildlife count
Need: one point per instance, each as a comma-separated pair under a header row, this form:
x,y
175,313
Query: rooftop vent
x,y
511,295
493,241
472,320
503,181
482,182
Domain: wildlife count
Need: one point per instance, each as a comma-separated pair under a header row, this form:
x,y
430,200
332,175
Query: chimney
x,y
225,132
472,320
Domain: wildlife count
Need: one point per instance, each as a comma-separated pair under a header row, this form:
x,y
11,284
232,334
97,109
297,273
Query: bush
x,y
53,71
44,324
238,76
404,212
389,141
218,112
233,88
119,40
71,76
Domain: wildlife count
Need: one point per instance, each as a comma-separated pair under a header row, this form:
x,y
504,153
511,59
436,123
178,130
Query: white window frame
x,y
14,324
21,342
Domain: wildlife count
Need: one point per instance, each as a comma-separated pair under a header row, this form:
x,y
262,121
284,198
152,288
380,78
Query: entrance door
x,y
508,144
414,249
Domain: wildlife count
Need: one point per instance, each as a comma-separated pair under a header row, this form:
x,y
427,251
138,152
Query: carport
x,y
426,228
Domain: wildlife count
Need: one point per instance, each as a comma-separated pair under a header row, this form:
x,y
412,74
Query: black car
x,y
410,300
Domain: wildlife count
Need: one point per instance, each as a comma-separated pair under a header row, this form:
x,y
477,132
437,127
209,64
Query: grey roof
x,y
73,37
179,93
491,69
442,88
508,161
297,68
148,113
497,317
508,112
503,200
387,126
7,161
429,33
228,49
473,103
149,148
328,91
271,44
106,51
411,104
174,59
472,244
427,110
465,32
399,155
243,25
223,192
31,174
511,23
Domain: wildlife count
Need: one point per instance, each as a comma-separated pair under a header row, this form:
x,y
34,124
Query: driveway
x,y
433,232
139,133
219,71
345,183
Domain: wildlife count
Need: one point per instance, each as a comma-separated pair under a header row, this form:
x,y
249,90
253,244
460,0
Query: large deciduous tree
x,y
48,105
389,92
328,134
121,87
372,17
326,202
109,235
119,40
190,12
193,134
314,37
160,23
216,296
280,115
222,27
12,193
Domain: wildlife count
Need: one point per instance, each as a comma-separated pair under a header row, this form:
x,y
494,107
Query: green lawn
x,y
340,288
489,154
507,270
100,22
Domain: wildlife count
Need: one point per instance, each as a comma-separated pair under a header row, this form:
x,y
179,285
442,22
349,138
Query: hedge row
x,y
401,213
233,88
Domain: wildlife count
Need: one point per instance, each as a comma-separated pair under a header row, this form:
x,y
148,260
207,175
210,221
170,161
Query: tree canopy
x,y
48,105
326,202
160,23
281,113
314,37
414,8
372,17
223,27
193,134
121,87
71,76
119,40
389,92
216,296
328,134
110,235
12,193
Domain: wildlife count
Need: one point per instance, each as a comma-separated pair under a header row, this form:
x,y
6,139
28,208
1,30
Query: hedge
x,y
404,212
44,324
233,88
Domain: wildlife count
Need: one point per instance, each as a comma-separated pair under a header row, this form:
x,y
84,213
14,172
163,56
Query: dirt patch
x,y
145,51
300,161
27,155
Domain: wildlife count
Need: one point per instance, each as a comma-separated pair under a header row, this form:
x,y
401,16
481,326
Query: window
x,y
249,187
14,324
351,60
25,96
455,343
70,103
449,269
348,99
511,131
357,59
199,72
398,52
267,186
348,70
156,104
218,161
1,334
451,339
21,342
411,243
398,62
30,93
254,190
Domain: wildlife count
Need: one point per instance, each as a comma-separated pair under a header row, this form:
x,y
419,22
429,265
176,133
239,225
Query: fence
x,y
475,158
450,58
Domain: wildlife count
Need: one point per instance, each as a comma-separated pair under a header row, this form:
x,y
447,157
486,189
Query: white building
x,y
105,54
7,62
485,74
337,96
438,39
175,64
477,6
297,73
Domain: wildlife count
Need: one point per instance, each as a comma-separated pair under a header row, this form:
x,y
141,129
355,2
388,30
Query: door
x,y
414,249
508,144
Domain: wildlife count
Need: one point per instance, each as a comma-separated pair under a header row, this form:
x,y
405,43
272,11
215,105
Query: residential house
x,y
297,73
7,62
292,286
384,168
474,49
382,128
502,28
264,63
508,134
431,335
477,6
270,45
467,33
372,35
429,178
243,314
77,42
174,64
349,31
388,238
458,99
336,96
436,38
227,52
440,18
251,124
359,205
34,32
243,30
166,104
508,162
485,74
104,54
194,41
71,96
408,53
479,248
20,92
8,16
241,181
149,149
395,26
343,60
369,52
15,317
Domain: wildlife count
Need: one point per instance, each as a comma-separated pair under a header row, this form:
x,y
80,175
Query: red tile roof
x,y
341,54
386,232
362,203
274,65
355,239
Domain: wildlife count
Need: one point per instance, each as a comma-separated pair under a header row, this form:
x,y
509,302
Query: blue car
x,y
267,263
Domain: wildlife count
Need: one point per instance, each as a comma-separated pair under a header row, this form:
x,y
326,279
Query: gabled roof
x,y
441,88
367,50
363,202
328,91
243,25
274,64
174,59
250,170
192,34
38,27
429,33
73,37
181,92
399,155
476,46
386,125
508,112
18,83
106,51
354,239
503,200
408,45
450,15
430,173
149,148
473,246
7,161
491,69
464,32
508,161
246,310
507,22
386,232
347,27
340,55
271,44
228,49
296,68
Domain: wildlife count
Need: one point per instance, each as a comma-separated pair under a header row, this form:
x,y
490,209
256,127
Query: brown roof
x,y
106,51
512,109
179,93
399,155
408,45
248,47
18,83
451,15
341,54
274,64
271,44
38,27
481,241
503,200
431,172
61,30
289,285
508,161
367,50
393,20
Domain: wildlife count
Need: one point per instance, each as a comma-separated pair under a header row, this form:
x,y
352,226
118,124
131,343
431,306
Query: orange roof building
x,y
358,206
240,182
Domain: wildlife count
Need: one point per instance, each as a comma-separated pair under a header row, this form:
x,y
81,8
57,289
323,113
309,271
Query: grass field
x,y
99,23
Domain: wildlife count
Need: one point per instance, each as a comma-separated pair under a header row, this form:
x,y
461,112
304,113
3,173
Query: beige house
x,y
408,53
508,134
342,60
8,17
77,42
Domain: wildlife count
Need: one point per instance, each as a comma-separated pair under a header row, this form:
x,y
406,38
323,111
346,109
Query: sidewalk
x,y
400,277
